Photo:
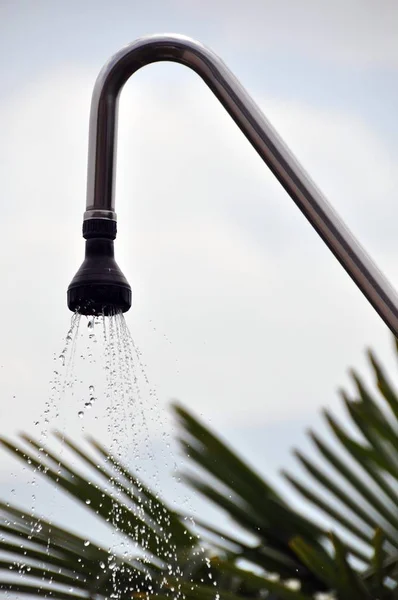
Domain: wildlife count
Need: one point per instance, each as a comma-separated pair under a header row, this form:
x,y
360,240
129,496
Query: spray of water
x,y
63,378
110,375
127,417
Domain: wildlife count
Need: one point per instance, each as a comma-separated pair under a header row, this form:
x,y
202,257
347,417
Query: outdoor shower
x,y
99,287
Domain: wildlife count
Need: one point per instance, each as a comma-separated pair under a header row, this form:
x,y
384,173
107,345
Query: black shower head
x,y
99,287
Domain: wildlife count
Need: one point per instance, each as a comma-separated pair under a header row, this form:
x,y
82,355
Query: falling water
x,y
100,384
128,414
63,378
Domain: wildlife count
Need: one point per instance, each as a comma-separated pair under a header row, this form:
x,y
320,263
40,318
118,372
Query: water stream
x,y
100,375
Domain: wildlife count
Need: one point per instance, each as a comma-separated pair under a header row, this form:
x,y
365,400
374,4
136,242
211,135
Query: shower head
x,y
99,287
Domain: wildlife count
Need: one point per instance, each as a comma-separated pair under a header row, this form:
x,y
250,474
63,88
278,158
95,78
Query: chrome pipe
x,y
253,124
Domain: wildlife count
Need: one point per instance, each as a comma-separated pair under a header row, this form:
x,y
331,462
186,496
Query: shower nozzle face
x,y
99,287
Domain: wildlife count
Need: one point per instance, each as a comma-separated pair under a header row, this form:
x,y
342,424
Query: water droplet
x,y
80,414
86,543
88,501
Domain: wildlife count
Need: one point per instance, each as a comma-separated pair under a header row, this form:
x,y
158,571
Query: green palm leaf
x,y
57,558
354,482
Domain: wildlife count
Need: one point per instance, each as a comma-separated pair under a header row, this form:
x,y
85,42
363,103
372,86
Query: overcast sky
x,y
240,311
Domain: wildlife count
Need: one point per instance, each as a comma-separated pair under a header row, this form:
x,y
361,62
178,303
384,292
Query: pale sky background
x,y
239,309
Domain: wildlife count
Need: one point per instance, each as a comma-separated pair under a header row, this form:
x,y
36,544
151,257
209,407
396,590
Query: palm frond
x,y
50,557
353,481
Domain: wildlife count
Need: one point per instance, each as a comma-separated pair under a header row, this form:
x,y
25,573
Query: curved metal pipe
x,y
256,128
